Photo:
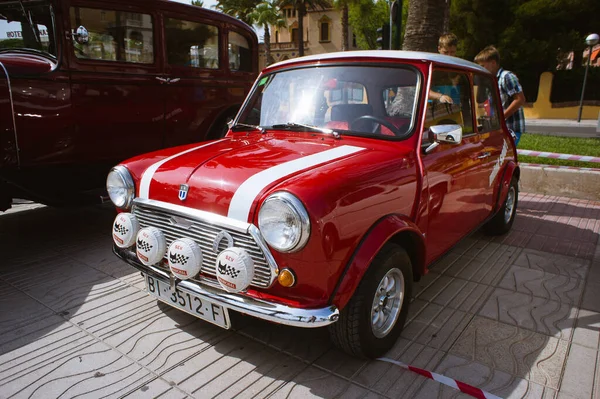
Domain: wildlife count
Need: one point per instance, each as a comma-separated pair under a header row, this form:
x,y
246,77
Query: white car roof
x,y
388,54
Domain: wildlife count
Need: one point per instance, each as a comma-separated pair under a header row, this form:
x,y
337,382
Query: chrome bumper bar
x,y
276,313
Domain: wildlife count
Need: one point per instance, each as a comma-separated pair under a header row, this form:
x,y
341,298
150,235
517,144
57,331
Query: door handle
x,y
484,155
174,80
161,80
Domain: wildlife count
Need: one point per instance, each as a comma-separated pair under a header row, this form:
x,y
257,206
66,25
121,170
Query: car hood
x,y
228,177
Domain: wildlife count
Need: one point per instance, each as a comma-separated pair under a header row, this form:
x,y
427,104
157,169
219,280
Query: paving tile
x,y
578,378
456,293
587,329
307,344
488,271
556,264
436,326
590,297
538,314
486,378
425,282
94,370
156,388
522,353
543,284
316,383
29,311
26,333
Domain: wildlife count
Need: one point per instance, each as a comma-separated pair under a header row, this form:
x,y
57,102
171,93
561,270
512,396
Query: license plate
x,y
196,305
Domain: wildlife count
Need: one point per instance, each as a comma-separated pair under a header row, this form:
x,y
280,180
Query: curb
x,y
581,183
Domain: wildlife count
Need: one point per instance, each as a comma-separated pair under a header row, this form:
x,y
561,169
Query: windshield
x,y
27,25
363,100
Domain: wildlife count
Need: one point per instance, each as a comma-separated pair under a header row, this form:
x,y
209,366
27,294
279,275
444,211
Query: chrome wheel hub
x,y
510,205
387,303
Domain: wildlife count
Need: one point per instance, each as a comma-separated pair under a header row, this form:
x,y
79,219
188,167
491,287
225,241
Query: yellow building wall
x,y
543,109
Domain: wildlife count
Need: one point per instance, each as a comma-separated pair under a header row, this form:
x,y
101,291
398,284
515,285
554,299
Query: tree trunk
x,y
446,26
267,38
345,27
301,11
424,25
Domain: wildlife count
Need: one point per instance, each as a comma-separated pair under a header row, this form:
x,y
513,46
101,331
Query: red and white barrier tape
x,y
558,166
554,155
460,386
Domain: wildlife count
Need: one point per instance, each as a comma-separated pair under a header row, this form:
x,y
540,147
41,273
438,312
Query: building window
x,y
294,35
276,36
353,40
324,32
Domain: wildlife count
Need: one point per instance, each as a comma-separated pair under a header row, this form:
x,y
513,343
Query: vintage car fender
x,y
394,228
511,169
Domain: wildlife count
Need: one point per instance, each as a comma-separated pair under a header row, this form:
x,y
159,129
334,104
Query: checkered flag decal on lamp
x,y
119,228
228,270
143,245
178,258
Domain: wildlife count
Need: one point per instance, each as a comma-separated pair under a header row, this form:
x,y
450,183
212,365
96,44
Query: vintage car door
x,y
117,96
455,176
209,71
495,141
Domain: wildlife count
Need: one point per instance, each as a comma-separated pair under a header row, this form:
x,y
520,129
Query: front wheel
x,y
503,220
372,321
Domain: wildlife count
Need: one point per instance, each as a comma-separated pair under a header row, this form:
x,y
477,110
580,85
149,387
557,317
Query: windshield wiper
x,y
256,127
309,127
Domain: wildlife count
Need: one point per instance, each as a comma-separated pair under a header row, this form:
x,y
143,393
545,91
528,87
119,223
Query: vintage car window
x,y
487,110
27,27
240,53
114,35
346,98
457,110
192,44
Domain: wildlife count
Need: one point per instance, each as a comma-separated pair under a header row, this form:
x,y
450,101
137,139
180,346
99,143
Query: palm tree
x,y
301,6
343,5
424,25
199,3
266,14
239,9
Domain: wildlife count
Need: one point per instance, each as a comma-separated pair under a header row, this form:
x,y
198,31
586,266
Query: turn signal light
x,y
286,278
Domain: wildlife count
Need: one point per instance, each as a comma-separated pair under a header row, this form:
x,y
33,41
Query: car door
x,y
454,174
118,101
495,141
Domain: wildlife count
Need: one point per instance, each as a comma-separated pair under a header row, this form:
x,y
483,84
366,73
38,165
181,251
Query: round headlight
x,y
284,223
120,187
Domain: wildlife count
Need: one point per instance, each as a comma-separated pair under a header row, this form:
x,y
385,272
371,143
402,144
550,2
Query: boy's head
x,y
447,44
489,58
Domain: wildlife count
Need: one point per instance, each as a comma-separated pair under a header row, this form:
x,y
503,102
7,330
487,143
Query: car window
x,y
192,44
27,25
351,99
113,35
487,109
454,108
240,53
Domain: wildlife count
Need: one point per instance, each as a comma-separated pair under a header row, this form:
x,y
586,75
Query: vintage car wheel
x,y
371,322
505,217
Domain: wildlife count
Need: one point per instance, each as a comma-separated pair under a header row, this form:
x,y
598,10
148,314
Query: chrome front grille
x,y
174,225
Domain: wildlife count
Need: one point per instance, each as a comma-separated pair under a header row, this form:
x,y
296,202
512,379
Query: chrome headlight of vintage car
x,y
120,187
283,222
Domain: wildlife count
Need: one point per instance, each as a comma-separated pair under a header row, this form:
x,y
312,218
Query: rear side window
x,y
240,53
192,44
113,35
487,110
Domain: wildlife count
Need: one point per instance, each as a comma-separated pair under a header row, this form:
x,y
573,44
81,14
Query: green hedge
x,y
566,85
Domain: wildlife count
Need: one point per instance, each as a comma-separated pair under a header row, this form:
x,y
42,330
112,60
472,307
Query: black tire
x,y
500,223
353,332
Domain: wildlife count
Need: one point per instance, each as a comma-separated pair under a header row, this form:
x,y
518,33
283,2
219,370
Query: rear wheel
x,y
503,220
220,127
372,321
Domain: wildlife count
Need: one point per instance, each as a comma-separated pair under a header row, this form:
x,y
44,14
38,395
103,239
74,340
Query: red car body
x,y
361,192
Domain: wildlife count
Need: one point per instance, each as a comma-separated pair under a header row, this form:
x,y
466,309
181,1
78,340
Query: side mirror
x,y
445,134
81,35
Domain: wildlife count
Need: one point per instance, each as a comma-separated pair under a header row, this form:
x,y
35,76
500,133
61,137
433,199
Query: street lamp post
x,y
591,41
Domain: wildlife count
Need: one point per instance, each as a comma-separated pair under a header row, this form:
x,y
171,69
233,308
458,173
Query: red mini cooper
x,y
342,178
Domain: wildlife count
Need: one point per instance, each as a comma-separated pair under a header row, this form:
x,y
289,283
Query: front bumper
x,y
276,313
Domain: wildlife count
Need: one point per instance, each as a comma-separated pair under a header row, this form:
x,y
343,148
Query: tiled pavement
x,y
518,316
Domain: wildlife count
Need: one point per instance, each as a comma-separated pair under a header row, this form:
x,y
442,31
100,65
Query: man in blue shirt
x,y
511,92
